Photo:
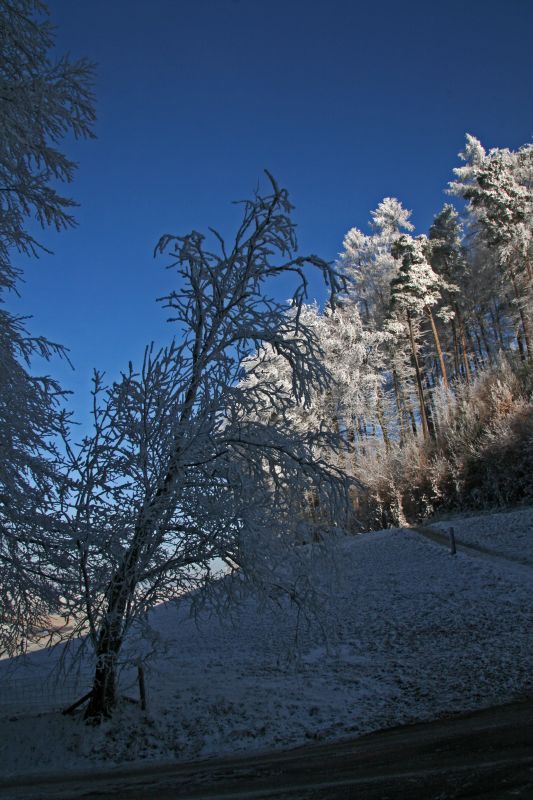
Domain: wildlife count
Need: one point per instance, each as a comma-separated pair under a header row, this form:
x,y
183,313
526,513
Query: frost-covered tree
x,y
498,189
41,102
448,304
414,292
352,356
367,261
179,471
448,259
369,267
31,420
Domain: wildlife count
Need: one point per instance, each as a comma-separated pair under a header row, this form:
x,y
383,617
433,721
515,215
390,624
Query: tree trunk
x,y
119,595
103,699
399,407
464,347
472,350
122,587
104,693
438,347
362,435
382,422
485,338
413,421
456,364
479,348
523,317
423,413
496,322
520,344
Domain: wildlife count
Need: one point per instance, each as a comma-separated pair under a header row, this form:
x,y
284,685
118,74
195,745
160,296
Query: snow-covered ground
x,y
509,533
413,633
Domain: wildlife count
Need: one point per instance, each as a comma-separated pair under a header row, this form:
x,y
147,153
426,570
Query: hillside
x,y
413,633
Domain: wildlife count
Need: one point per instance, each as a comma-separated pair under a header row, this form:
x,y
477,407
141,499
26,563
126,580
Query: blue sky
x,y
343,102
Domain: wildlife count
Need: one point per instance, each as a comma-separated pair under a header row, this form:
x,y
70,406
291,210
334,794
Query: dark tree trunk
x,y
103,699
496,324
462,335
456,364
382,421
104,692
472,351
523,317
111,633
479,348
484,338
422,402
438,347
399,407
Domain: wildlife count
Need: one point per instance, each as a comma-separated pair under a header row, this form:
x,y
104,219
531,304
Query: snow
x,y
509,533
413,633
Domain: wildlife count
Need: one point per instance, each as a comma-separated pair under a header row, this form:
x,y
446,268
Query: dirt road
x,y
486,755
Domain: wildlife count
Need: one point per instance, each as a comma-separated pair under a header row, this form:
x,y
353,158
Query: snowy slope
x,y
509,533
413,633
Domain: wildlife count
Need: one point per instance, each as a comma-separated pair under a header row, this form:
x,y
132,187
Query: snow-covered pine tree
x,y
367,262
41,102
498,189
369,267
448,259
353,357
414,292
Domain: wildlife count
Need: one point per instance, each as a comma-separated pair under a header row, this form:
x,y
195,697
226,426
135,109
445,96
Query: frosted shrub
x,y
482,455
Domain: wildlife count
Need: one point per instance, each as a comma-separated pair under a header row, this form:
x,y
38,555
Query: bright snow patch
x,y
414,633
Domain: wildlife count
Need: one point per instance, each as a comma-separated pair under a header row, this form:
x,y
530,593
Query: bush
x,y
482,455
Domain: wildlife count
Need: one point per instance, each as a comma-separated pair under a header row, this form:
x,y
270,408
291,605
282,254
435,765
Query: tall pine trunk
x,y
484,337
399,407
464,347
523,317
422,402
456,364
382,421
438,347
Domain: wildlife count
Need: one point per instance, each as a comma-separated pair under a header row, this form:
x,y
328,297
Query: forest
x,y
430,348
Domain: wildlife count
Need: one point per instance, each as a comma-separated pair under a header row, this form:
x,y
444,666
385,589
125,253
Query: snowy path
x,y
489,754
508,533
518,566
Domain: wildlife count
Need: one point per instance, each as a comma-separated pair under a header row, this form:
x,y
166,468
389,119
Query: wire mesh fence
x,y
22,694
26,692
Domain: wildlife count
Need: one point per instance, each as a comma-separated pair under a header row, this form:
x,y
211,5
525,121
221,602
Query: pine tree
x,y
448,259
414,292
41,102
497,188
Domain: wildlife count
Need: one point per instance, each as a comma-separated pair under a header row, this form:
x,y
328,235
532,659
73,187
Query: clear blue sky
x,y
344,102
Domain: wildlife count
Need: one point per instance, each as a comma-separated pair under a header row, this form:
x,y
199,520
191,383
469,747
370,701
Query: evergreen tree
x,y
497,188
449,260
41,102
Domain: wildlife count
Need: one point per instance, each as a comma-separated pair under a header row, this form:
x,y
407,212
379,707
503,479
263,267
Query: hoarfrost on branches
x,y
179,471
498,189
41,101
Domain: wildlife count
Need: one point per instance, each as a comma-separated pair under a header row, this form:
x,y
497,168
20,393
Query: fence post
x,y
142,686
453,549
